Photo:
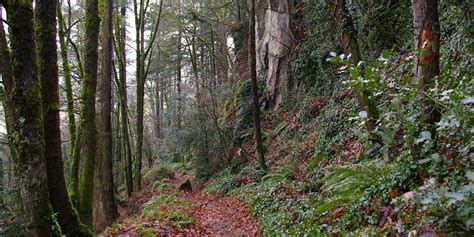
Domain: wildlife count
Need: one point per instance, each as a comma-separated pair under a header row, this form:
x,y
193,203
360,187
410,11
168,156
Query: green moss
x,y
55,227
25,3
143,231
176,217
54,106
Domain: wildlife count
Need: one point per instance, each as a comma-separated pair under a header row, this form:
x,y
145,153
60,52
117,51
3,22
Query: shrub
x,y
159,172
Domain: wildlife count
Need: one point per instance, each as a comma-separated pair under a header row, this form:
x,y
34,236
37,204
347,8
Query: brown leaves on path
x,y
223,216
214,215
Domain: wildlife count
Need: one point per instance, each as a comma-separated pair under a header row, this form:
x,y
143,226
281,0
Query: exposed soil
x,y
215,215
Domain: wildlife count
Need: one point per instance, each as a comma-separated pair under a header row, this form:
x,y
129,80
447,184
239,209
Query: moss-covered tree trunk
x,y
427,33
7,79
105,213
120,52
256,104
142,53
67,82
28,136
138,6
87,127
76,143
45,18
14,197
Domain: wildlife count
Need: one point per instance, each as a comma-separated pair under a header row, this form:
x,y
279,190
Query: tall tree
x,y
427,33
67,79
256,104
6,96
157,108
87,128
45,18
139,11
120,52
7,81
106,210
179,99
143,54
28,136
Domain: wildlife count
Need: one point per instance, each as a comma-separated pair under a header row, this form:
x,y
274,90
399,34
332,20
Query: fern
x,y
283,175
347,184
162,185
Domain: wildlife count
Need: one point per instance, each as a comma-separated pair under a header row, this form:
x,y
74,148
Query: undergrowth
x,y
169,208
327,176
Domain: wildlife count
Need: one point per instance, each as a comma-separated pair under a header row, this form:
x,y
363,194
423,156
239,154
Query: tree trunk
x,y
28,133
222,53
162,99
14,197
67,82
7,79
178,84
427,33
139,140
212,65
256,104
140,28
45,14
87,129
105,213
120,29
157,109
119,163
139,9
276,45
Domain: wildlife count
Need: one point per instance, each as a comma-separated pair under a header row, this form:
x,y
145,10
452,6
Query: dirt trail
x,y
214,215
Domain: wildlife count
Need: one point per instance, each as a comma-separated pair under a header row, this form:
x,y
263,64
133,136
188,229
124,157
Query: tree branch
x,y
4,21
155,31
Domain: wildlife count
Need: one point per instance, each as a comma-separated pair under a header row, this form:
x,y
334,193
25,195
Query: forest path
x,y
219,215
214,215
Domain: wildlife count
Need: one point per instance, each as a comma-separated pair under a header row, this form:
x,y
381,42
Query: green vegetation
x,y
160,172
346,183
143,231
169,208
162,185
261,117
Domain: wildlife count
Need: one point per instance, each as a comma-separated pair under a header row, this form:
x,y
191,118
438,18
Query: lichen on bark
x,y
87,127
29,142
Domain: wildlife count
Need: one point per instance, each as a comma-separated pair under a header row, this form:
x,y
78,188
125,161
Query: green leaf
x,y
386,54
355,73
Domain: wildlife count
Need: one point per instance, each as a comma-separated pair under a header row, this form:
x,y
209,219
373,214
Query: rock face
x,y
274,46
186,186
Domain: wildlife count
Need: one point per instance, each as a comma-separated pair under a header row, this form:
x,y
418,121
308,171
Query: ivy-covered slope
x,y
326,174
